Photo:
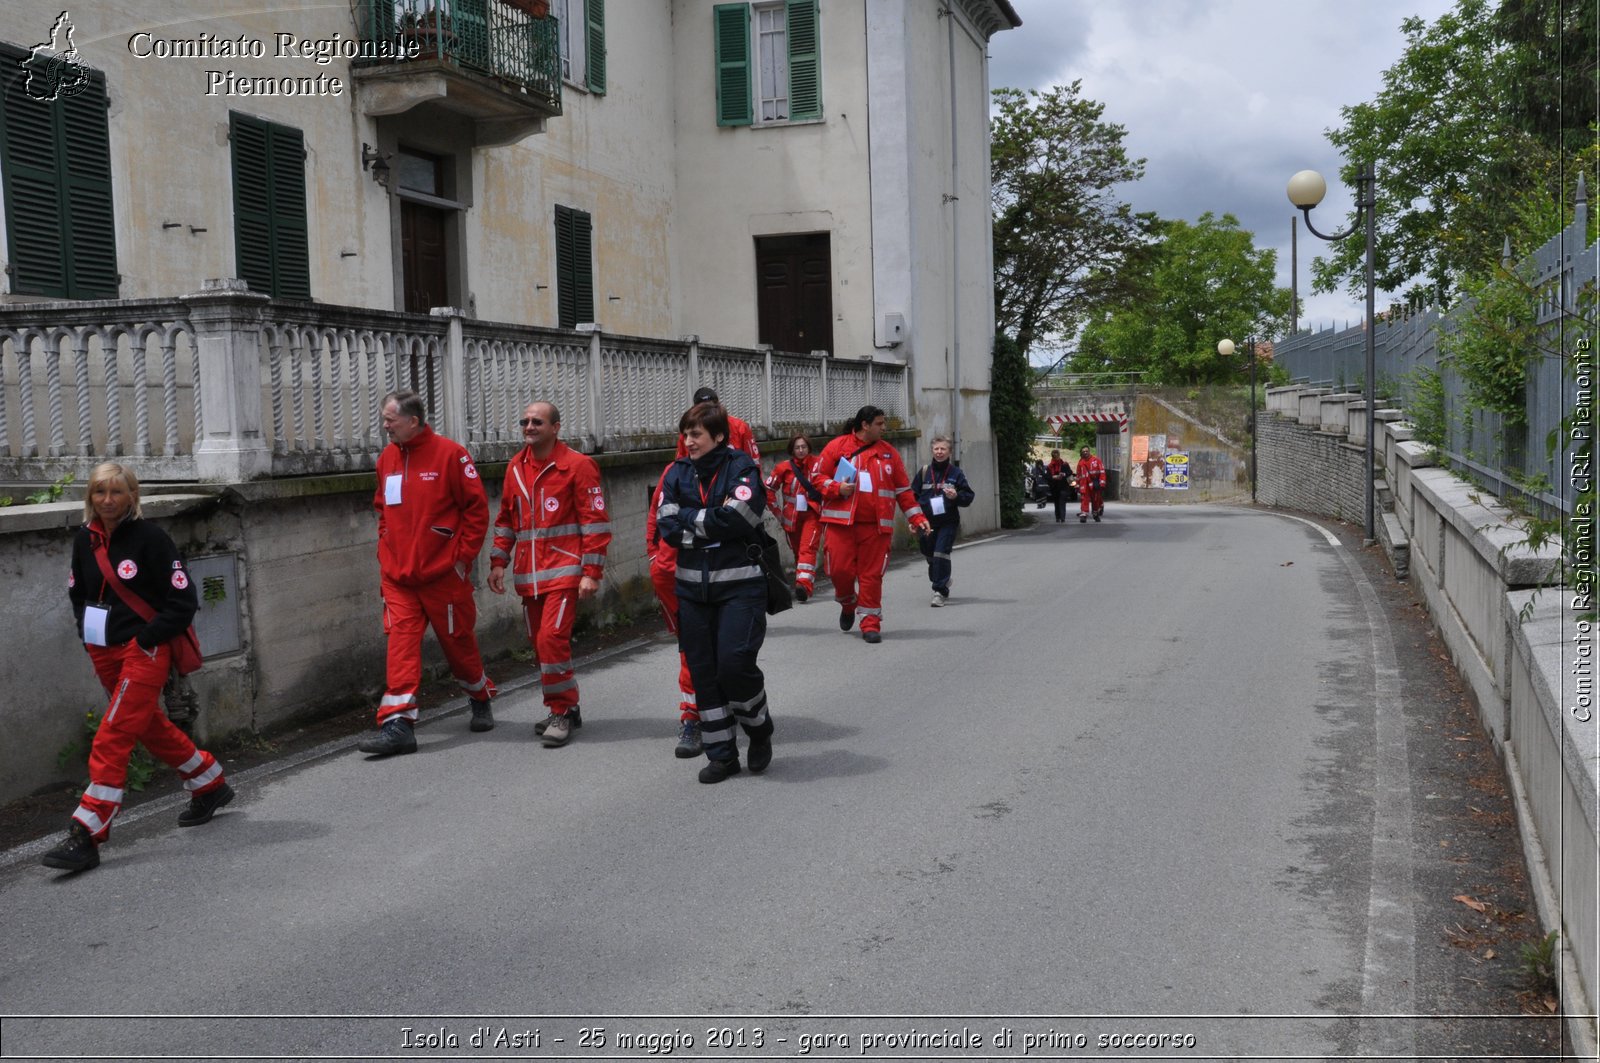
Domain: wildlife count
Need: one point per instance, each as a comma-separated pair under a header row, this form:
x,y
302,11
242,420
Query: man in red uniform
x,y
553,530
1091,486
664,576
862,478
664,581
432,518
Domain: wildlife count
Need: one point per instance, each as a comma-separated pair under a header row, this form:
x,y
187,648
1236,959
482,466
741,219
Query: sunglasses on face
x,y
529,422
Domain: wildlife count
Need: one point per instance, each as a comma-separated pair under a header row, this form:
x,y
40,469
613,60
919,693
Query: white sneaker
x,y
938,600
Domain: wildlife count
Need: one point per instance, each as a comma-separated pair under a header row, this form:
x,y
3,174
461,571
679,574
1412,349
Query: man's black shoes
x,y
482,715
847,618
203,806
872,637
395,736
77,853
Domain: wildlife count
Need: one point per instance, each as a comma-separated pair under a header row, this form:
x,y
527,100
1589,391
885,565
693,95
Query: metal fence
x,y
490,37
228,385
1512,458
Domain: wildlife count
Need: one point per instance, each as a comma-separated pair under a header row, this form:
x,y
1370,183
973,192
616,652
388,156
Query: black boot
x,y
77,853
203,806
395,736
482,716
759,753
717,770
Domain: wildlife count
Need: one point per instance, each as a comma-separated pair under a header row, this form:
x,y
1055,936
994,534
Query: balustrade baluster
x,y
169,394
80,365
319,418
280,443
30,435
141,398
52,376
109,342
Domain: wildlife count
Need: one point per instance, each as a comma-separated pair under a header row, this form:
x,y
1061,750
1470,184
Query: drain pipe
x,y
952,200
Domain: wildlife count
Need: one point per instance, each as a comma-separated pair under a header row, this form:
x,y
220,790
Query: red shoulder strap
x,y
131,600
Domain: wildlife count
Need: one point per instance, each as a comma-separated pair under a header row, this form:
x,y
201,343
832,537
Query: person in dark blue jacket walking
x,y
941,489
710,512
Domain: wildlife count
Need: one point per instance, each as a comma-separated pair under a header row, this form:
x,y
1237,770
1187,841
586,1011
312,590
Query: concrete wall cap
x,y
1544,644
1490,530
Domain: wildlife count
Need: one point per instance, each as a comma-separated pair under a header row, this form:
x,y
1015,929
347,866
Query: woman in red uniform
x,y
794,481
132,596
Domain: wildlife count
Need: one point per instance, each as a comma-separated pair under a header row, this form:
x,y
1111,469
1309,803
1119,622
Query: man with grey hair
x,y
433,515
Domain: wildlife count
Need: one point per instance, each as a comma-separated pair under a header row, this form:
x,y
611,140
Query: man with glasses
x,y
553,531
433,515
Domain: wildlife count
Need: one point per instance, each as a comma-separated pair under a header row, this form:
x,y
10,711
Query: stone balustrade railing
x,y
227,385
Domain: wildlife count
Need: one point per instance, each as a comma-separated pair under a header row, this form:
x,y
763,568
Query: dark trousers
x,y
936,546
1058,495
720,641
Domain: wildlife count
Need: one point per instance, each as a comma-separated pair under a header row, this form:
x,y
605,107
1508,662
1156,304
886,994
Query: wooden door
x,y
423,257
794,292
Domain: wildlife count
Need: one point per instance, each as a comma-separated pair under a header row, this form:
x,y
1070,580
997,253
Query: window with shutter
x,y
55,156
768,62
270,224
574,267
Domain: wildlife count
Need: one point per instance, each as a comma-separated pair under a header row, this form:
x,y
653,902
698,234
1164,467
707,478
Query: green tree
x,y
1484,104
1206,281
1061,236
1012,418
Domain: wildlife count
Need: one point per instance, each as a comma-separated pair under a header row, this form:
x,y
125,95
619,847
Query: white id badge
x,y
936,505
94,624
800,504
391,489
864,485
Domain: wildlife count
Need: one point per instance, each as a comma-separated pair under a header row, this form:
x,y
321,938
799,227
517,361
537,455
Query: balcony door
x,y
427,223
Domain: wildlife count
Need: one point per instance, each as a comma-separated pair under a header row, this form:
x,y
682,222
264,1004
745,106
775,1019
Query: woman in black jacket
x,y
710,512
132,597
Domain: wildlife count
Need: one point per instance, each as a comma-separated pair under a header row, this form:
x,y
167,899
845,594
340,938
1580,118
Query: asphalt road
x,y
1141,789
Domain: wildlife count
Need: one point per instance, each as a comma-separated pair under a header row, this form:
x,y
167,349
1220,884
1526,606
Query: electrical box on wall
x,y
216,582
894,329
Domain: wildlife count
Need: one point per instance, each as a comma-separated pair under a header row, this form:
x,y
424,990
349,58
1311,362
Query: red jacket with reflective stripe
x,y
1091,472
443,512
889,485
553,528
783,481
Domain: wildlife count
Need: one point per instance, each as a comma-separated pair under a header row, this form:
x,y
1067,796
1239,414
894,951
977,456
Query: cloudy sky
x,y
1224,99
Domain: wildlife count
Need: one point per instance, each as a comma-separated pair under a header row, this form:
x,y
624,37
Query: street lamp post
x,y
1306,190
1226,349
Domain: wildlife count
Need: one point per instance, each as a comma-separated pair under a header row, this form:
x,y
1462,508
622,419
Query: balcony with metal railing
x,y
493,62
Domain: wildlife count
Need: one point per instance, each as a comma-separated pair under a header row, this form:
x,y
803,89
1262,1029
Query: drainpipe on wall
x,y
955,247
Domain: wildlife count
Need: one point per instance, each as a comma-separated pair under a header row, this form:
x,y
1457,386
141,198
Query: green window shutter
x,y
252,203
55,156
594,15
583,265
291,250
574,267
269,207
731,26
805,65
91,230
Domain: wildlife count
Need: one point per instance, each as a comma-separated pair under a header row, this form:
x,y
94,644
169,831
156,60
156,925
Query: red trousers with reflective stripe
x,y
858,554
445,605
664,581
133,679
804,540
550,619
